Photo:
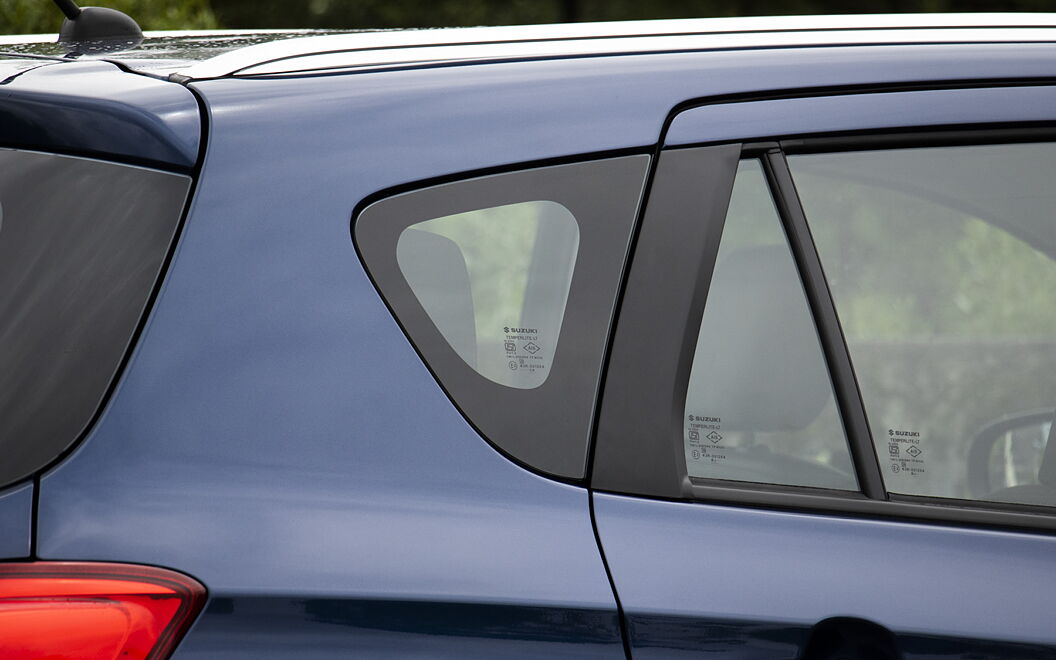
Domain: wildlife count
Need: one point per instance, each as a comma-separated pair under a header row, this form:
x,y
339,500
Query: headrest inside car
x,y
758,363
436,271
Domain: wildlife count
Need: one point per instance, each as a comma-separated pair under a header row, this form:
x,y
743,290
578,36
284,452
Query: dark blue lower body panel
x,y
262,628
686,638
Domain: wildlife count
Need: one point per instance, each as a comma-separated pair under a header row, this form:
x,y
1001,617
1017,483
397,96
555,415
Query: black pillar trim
x,y
845,384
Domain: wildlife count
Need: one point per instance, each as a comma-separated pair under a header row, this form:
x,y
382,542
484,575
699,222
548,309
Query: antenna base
x,y
100,30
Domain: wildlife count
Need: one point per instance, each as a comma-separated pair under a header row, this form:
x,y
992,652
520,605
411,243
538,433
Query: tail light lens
x,y
94,611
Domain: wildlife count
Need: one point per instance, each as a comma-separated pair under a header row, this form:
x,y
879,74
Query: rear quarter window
x,y
82,243
506,285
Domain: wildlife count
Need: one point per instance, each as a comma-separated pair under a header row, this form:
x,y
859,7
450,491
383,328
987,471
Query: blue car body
x,y
275,434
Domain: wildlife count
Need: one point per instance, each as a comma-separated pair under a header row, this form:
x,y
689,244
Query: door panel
x,y
698,580
734,523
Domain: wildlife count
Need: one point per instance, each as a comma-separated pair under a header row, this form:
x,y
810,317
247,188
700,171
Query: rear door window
x,y
942,266
82,243
760,404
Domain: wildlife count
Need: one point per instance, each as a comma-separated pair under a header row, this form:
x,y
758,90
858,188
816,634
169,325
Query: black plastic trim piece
x,y
798,499
547,428
639,429
930,136
815,285
996,515
876,139
753,149
459,176
855,89
603,376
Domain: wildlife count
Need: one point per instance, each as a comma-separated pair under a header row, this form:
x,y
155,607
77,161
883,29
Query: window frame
x,y
626,464
546,429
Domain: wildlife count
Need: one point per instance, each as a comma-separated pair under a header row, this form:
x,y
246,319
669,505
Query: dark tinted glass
x,y
81,245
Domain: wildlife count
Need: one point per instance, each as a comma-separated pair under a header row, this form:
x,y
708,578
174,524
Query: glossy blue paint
x,y
16,521
763,578
729,122
274,434
93,108
396,127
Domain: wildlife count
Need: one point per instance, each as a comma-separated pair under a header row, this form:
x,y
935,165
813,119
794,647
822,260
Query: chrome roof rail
x,y
420,47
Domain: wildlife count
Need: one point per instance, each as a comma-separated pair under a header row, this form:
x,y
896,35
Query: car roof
x,y
216,54
160,50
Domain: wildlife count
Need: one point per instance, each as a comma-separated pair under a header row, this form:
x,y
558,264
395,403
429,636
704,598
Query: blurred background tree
x,y
42,16
434,13
30,16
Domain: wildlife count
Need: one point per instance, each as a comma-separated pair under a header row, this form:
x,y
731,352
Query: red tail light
x,y
93,611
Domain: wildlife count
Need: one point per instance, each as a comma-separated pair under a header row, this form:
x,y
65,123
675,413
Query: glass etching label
x,y
524,350
904,452
704,439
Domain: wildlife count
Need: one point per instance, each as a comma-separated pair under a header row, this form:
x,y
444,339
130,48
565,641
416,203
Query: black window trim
x,y
830,333
873,501
375,246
